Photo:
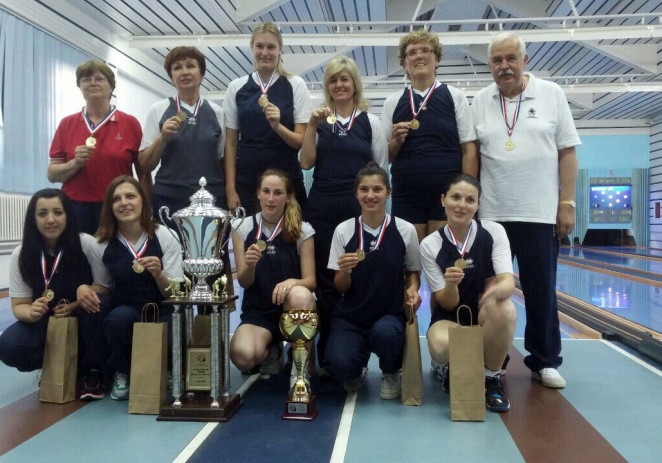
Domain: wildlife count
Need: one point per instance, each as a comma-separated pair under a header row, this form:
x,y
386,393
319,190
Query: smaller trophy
x,y
299,326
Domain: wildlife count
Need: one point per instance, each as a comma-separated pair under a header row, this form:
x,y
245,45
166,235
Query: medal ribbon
x,y
380,234
273,233
504,111
461,247
90,126
137,254
47,279
426,97
350,123
196,108
264,88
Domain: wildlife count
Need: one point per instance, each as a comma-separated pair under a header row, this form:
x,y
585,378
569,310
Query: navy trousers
x,y
536,248
22,344
348,344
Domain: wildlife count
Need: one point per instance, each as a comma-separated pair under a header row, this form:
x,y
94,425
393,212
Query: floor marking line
x,y
342,438
633,357
200,437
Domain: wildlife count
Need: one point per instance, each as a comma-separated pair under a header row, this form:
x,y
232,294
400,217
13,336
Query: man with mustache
x,y
528,171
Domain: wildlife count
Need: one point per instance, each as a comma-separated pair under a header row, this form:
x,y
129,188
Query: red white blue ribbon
x,y
380,234
196,108
273,233
426,97
264,88
460,246
90,125
340,126
58,258
136,254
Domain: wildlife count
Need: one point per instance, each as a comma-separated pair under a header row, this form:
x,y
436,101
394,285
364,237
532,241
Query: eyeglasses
x,y
95,79
425,52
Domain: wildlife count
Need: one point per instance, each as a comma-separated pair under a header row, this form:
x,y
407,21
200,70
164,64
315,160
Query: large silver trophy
x,y
203,229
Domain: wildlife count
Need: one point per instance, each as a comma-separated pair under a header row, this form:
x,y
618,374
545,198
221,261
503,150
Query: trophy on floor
x,y
204,232
298,327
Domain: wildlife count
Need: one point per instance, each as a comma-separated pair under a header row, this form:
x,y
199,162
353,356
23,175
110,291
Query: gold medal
x,y
261,245
461,263
414,124
361,254
137,267
331,119
49,294
263,100
91,142
510,145
181,115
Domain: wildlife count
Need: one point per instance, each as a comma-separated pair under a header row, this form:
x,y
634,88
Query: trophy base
x,y
200,409
303,411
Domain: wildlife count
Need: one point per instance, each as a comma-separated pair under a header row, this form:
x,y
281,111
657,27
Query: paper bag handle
x,y
155,310
457,314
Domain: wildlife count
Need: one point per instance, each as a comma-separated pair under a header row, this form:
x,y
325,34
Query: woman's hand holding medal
x,y
152,264
453,275
38,309
400,131
170,127
348,261
82,154
272,112
252,255
319,115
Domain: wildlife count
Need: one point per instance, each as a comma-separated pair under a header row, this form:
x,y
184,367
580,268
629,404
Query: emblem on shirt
x,y
373,244
271,249
470,262
118,136
191,121
532,114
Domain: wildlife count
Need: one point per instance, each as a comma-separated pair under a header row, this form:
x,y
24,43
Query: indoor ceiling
x,y
605,53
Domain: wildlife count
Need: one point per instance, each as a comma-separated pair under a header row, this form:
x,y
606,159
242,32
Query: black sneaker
x,y
440,370
495,398
92,386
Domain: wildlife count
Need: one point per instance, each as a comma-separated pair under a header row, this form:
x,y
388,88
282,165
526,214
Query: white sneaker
x,y
120,390
391,386
549,377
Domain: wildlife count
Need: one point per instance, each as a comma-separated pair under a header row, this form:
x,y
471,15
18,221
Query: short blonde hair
x,y
337,65
91,67
419,36
271,28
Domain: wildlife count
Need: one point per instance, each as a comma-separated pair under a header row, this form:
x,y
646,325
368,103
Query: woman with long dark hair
x,y
44,272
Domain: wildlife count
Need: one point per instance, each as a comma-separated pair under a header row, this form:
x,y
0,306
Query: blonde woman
x,y
266,114
340,139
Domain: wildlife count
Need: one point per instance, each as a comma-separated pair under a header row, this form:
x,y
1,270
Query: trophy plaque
x,y
298,327
204,232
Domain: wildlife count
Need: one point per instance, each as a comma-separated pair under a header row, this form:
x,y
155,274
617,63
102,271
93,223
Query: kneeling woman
x,y
274,252
134,259
467,262
377,263
44,271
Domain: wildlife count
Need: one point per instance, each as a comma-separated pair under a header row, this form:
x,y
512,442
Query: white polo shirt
x,y
522,185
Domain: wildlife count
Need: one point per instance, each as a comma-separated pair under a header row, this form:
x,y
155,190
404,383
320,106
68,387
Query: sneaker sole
x,y
389,395
115,397
501,409
89,397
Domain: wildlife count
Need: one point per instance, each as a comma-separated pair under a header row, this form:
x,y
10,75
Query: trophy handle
x,y
239,213
165,211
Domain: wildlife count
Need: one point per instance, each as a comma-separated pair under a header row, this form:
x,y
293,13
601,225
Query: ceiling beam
x,y
359,39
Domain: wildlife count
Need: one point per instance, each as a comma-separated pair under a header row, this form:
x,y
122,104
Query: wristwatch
x,y
569,202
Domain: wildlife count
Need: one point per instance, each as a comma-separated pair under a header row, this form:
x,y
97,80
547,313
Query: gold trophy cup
x,y
298,327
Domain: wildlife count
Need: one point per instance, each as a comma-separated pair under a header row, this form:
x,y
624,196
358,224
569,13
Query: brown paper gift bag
x,y
60,365
149,361
412,370
467,375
